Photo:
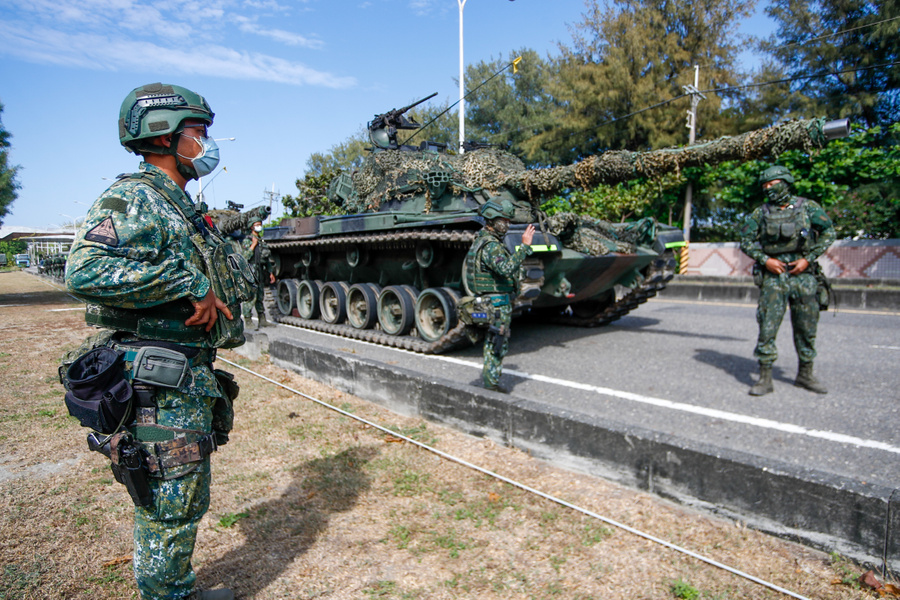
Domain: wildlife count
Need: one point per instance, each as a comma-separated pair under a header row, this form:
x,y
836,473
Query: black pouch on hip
x,y
98,394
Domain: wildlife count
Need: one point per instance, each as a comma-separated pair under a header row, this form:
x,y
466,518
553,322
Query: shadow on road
x,y
744,369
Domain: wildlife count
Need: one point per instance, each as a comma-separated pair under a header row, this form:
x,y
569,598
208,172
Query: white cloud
x,y
100,52
279,35
171,36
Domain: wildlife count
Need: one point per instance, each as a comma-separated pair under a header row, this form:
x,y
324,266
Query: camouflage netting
x,y
397,175
394,175
597,237
617,166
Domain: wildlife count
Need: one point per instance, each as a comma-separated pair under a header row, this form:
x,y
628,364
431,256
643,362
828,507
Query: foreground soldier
x,y
257,253
141,264
785,236
493,273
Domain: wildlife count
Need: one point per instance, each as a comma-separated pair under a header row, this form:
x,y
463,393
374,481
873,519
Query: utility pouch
x,y
232,281
823,289
98,395
223,409
757,274
161,367
474,310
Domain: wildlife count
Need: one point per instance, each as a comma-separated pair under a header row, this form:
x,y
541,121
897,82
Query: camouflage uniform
x,y
260,258
761,235
135,252
494,260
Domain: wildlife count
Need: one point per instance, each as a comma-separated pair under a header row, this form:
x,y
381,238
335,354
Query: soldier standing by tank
x,y
137,262
785,236
259,256
493,273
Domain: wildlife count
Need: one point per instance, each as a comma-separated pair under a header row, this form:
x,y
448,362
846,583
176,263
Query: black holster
x,y
128,464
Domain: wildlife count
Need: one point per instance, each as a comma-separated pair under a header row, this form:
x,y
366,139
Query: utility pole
x,y
271,196
696,96
462,82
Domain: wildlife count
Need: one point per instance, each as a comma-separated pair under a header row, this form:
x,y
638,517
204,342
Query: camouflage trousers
x,y
165,533
494,349
776,293
257,303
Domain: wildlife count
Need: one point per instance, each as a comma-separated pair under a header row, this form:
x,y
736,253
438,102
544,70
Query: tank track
x,y
453,338
377,238
658,275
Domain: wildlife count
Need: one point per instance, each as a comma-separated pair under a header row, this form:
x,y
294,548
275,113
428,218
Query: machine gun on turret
x,y
383,128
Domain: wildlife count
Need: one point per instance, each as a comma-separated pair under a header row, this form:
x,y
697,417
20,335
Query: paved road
x,y
683,368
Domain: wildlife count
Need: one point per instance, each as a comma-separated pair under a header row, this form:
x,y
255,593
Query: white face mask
x,y
205,162
257,228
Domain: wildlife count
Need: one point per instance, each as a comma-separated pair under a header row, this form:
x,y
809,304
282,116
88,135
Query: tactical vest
x,y
231,280
485,281
785,230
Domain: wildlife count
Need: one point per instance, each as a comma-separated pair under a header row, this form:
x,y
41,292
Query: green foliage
x,y
312,198
229,520
11,248
625,201
856,180
684,590
8,185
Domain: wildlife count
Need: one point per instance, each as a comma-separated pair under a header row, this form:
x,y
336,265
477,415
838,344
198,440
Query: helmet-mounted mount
x,y
493,209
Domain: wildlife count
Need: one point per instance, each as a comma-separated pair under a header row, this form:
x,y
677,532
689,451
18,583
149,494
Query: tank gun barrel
x,y
244,220
617,166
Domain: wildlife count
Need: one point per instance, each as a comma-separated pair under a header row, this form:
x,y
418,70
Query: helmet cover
x,y
776,172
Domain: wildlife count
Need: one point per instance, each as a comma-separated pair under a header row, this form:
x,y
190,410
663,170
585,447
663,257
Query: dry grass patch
x,y
308,503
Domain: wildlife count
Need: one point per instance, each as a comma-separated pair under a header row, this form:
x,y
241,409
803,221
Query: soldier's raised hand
x,y
528,235
205,311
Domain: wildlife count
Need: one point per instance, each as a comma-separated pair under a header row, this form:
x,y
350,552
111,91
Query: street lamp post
x,y
462,81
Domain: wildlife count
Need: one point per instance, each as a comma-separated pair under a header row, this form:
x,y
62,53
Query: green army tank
x,y
389,270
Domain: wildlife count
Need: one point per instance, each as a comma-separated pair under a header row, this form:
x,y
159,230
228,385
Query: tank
x,y
389,269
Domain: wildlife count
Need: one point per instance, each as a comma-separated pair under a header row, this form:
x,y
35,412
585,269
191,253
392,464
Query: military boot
x,y
262,322
764,385
806,379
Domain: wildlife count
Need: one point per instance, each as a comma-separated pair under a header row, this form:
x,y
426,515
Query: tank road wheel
x,y
286,295
397,309
333,301
308,294
362,305
435,314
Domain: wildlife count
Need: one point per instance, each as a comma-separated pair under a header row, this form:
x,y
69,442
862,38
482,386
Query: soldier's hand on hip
x,y
798,266
528,235
205,311
773,265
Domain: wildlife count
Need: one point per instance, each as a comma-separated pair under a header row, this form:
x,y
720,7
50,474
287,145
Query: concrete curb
x,y
815,508
742,290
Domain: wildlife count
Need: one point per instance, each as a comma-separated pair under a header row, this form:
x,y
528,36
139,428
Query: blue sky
x,y
286,78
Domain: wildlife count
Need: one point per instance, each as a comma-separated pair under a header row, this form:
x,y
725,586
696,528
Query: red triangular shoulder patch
x,y
104,233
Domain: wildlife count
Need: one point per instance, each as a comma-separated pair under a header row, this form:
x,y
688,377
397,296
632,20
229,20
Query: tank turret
x,y
389,270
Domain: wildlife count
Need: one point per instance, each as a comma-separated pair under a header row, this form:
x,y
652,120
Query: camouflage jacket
x,y
814,245
134,250
494,261
259,257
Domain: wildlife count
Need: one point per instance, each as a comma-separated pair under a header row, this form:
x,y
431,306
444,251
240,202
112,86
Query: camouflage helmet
x,y
158,109
776,172
493,209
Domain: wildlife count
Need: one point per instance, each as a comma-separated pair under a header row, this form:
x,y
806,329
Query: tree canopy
x,y
9,186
